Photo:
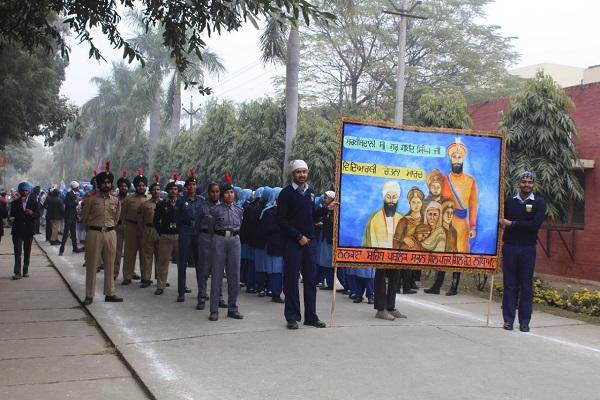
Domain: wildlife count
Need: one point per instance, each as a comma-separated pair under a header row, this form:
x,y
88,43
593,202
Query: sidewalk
x,y
443,349
49,347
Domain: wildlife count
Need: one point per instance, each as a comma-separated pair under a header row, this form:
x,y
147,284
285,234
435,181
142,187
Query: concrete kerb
x,y
105,336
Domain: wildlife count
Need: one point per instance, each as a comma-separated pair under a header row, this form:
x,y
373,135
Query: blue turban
x,y
527,175
25,185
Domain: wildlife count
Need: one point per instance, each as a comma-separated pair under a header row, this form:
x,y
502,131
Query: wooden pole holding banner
x,y
332,319
487,321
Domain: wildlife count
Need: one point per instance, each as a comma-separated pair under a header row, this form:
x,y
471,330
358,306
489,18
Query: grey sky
x,y
546,30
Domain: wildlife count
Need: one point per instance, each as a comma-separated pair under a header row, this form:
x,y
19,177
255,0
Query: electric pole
x,y
191,112
404,15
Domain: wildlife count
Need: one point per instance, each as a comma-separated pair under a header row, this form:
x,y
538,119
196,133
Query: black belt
x,y
204,231
102,228
227,232
150,225
131,221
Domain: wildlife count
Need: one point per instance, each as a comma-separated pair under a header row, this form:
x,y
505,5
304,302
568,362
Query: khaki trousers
x,y
133,248
120,229
149,252
54,226
99,246
166,245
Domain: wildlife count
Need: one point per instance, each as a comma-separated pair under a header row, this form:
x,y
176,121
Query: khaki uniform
x,y
100,214
120,229
133,233
150,238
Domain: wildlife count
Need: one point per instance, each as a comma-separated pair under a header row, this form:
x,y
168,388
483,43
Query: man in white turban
x,y
379,231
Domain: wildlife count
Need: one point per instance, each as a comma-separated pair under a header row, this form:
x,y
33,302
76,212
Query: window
x,y
577,216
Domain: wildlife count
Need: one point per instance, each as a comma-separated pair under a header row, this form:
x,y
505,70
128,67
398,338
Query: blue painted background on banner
x,y
362,195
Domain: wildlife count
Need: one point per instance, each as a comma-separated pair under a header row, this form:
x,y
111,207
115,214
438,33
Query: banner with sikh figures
x,y
414,197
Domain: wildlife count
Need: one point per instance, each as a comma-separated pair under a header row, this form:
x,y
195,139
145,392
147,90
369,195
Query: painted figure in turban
x,y
381,226
462,190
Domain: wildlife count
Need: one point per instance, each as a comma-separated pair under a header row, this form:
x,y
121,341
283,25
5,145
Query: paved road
x,y
443,349
49,347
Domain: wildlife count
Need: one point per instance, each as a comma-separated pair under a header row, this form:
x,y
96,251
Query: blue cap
x,y
25,185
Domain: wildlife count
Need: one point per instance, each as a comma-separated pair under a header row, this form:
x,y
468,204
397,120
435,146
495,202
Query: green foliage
x,y
316,143
540,139
29,96
352,63
185,22
20,157
136,155
443,110
258,150
215,140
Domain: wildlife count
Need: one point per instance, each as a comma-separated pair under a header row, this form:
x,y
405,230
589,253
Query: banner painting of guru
x,y
414,197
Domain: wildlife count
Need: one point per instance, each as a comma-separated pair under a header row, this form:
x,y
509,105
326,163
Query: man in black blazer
x,y
23,212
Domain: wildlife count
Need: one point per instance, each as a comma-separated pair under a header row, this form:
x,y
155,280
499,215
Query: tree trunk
x,y
154,128
176,118
291,96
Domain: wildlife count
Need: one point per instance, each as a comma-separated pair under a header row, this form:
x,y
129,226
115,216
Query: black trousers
x,y
299,259
385,295
439,280
22,248
48,229
70,229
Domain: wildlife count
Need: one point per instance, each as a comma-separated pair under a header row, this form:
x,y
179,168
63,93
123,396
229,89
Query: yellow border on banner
x,y
387,124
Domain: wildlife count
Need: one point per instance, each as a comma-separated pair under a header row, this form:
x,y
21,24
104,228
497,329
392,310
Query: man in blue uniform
x,y
295,214
226,253
188,208
523,216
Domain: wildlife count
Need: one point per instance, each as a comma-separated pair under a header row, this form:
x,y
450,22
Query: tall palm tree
x,y
160,66
275,49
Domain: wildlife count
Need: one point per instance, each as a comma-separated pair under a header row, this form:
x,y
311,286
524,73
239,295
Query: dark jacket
x,y
296,213
527,219
71,205
165,218
3,214
327,228
24,225
274,236
250,223
54,206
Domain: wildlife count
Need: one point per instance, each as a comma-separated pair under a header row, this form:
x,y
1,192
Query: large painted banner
x,y
414,197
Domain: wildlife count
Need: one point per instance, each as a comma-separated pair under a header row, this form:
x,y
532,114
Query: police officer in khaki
x,y
100,214
123,185
133,229
150,236
165,223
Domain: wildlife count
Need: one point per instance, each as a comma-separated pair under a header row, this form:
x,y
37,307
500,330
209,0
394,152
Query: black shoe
x,y
136,277
61,253
201,306
507,326
327,288
242,284
277,299
341,291
432,291
234,315
524,328
292,325
317,324
250,290
222,304
261,293
167,284
320,284
452,292
358,299
113,299
126,282
213,316
55,243
352,296
26,275
180,298
188,290
76,250
409,291
371,300
159,291
145,284
88,301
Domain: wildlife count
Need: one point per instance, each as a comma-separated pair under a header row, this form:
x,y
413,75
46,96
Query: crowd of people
x,y
264,240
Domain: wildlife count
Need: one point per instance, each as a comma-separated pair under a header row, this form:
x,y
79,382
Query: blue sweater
x,y
296,213
527,219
